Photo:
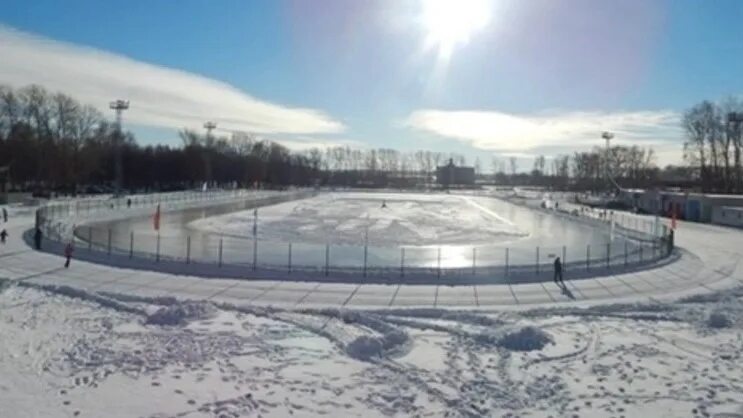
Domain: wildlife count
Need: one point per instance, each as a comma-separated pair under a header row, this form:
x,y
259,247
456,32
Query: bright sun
x,y
452,22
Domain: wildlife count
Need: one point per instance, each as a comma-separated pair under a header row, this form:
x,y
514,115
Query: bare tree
x,y
699,126
495,165
539,163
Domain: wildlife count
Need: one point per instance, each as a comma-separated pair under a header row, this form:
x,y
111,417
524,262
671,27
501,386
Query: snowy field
x,y
391,219
67,353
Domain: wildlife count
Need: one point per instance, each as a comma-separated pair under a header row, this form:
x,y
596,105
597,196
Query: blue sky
x,y
538,77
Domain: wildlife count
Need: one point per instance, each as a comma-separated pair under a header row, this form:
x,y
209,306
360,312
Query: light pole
x,y
607,136
736,119
209,126
119,106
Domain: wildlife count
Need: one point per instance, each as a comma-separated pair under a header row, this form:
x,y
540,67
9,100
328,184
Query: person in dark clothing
x,y
68,250
5,215
37,238
558,272
128,203
3,236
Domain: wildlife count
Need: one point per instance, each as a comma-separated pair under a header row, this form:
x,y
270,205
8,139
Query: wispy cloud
x,y
159,96
555,130
304,143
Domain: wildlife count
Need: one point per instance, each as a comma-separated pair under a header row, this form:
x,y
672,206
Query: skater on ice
x,y
3,236
384,204
68,250
5,215
37,238
558,272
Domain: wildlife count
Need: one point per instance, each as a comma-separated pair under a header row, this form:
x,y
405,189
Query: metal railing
x,y
638,242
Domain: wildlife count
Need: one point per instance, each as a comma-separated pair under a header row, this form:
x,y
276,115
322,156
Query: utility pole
x,y
607,136
209,126
119,106
735,119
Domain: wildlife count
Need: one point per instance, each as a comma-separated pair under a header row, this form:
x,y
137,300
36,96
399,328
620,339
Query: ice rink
x,y
414,229
386,219
94,340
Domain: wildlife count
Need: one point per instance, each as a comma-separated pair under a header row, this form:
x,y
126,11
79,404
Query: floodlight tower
x,y
209,126
735,120
119,106
608,137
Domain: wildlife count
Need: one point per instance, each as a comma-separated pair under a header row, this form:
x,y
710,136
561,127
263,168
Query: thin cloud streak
x,y
160,96
305,143
512,133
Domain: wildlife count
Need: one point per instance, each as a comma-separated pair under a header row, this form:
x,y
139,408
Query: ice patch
x,y
354,218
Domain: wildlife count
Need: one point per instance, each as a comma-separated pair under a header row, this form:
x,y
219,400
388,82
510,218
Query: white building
x,y
696,207
728,215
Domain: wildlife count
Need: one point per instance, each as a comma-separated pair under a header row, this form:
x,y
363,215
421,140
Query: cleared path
x,y
708,262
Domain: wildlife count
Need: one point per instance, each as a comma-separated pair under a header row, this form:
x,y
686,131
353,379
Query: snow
x,y
719,320
181,314
526,339
389,219
78,353
82,342
365,347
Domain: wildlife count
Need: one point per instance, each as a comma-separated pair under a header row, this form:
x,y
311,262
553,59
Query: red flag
x,y
156,219
673,217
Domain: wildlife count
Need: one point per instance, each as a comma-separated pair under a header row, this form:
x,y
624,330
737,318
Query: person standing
x,y
558,272
68,250
5,215
37,238
3,236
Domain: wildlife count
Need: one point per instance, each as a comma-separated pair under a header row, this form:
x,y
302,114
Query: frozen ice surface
x,y
389,219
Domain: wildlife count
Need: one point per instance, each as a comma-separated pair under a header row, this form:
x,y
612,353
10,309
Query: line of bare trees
x,y
51,141
628,167
713,144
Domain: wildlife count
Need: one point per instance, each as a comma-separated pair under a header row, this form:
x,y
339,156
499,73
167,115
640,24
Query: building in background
x,y
450,175
697,207
728,215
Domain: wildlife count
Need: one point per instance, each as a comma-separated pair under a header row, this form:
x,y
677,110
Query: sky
x,y
482,78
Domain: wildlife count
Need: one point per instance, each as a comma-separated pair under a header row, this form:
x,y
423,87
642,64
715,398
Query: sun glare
x,y
449,23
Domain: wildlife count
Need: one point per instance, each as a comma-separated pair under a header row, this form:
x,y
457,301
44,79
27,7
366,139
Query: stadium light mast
x,y
607,136
209,126
119,106
736,120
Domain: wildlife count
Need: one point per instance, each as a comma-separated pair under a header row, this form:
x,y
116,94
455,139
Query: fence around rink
x,y
639,242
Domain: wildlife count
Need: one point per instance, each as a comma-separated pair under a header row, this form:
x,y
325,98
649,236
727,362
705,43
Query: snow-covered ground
x,y
66,352
391,219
